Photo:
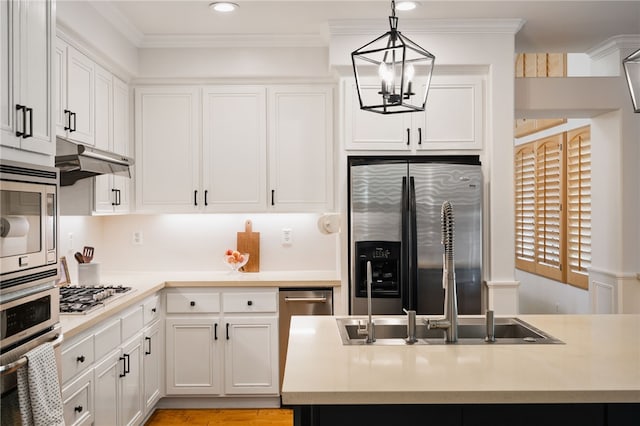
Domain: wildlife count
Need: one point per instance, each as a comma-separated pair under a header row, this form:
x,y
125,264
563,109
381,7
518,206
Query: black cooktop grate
x,y
82,299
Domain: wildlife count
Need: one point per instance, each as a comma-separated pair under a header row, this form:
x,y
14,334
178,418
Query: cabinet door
x,y
104,111
193,356
301,148
77,401
106,376
152,366
121,142
80,96
167,150
366,130
453,117
131,384
60,118
251,355
7,105
234,148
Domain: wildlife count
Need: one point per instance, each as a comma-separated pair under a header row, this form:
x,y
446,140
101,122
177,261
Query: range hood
x,y
77,161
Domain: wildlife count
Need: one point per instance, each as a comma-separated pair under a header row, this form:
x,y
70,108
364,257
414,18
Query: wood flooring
x,y
226,417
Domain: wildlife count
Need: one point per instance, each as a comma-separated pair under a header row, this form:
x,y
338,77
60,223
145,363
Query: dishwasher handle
x,y
322,299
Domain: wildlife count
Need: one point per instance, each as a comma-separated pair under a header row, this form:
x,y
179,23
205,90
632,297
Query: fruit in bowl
x,y
235,260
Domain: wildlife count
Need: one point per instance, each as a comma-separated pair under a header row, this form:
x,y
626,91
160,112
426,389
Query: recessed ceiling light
x,y
406,5
223,6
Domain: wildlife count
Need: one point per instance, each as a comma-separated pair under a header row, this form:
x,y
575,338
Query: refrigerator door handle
x,y
413,247
404,262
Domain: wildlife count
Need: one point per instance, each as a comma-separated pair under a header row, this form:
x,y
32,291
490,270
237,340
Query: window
x,y
553,206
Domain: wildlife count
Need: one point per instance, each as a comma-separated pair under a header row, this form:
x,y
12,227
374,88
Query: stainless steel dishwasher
x,y
300,301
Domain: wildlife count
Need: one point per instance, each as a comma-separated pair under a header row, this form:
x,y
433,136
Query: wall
x,y
540,295
197,242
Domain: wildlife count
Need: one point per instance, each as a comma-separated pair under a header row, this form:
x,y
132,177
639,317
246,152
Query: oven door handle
x,y
13,366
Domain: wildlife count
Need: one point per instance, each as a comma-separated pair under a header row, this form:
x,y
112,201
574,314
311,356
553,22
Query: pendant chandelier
x,y
400,68
631,66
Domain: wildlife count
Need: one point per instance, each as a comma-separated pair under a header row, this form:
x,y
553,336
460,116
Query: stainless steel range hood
x,y
77,161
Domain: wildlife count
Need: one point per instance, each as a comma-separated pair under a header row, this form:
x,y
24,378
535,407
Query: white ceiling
x,y
550,26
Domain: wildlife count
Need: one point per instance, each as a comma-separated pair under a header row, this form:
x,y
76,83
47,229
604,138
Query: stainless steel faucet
x,y
369,329
450,321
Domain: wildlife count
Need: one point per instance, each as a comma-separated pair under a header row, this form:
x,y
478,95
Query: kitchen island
x,y
593,378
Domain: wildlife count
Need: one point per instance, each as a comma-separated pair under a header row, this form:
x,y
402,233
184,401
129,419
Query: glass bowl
x,y
236,264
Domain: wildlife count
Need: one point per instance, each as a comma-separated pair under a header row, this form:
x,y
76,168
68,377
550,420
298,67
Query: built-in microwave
x,y
28,225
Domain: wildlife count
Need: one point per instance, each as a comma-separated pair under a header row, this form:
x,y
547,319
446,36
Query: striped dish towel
x,y
39,390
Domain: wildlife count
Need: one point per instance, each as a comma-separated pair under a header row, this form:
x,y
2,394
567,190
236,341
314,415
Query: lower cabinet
x,y
77,400
222,342
152,363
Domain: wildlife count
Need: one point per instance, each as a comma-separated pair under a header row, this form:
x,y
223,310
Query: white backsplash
x,y
196,242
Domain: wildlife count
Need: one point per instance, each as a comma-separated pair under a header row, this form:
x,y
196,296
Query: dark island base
x,y
469,415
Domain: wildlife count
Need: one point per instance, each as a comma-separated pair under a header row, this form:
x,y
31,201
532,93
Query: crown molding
x,y
614,44
427,26
232,40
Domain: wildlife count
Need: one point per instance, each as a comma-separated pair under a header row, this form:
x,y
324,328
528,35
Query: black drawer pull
x,y
78,409
227,331
192,303
250,302
153,310
408,136
127,364
148,339
419,135
215,331
195,197
80,358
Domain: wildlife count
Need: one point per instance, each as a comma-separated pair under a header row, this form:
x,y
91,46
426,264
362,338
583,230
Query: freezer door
x,y
376,214
462,185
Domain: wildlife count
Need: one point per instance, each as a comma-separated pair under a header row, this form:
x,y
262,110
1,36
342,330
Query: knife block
x,y
88,273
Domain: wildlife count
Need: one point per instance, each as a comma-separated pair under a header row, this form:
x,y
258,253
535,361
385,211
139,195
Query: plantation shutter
x,y
525,193
548,207
578,213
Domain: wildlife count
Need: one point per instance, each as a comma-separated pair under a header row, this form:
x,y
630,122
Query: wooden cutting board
x,y
249,242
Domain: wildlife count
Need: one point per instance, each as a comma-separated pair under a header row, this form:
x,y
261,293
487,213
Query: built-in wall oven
x,y
28,225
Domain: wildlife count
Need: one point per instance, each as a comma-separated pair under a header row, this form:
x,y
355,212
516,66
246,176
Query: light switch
x,y
286,237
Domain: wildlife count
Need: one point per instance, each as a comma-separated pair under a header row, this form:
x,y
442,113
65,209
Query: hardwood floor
x,y
226,417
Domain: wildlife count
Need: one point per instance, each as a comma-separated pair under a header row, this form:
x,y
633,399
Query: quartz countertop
x,y
598,362
145,284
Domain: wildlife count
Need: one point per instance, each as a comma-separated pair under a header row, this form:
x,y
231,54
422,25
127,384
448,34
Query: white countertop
x,y
147,283
599,362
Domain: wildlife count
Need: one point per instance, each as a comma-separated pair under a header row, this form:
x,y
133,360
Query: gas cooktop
x,y
84,299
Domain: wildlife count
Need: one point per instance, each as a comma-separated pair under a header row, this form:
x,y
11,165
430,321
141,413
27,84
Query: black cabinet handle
x,y
119,197
78,409
206,193
192,303
30,134
67,119
215,331
419,135
80,358
124,366
227,331
273,193
408,136
115,197
195,197
74,122
148,339
24,120
153,310
249,302
127,364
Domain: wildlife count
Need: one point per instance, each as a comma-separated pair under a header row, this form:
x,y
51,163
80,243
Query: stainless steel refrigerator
x,y
394,222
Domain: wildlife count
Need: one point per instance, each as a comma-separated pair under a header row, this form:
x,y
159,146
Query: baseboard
x,y
194,402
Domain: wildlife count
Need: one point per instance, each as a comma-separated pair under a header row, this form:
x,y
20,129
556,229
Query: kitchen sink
x,y
471,331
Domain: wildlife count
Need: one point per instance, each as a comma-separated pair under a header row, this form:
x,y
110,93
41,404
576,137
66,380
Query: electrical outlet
x,y
286,237
137,238
70,236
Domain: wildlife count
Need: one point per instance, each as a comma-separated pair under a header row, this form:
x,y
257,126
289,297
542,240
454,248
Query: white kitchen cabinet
x,y
193,355
77,400
263,148
75,90
25,75
106,379
234,147
112,134
131,383
452,120
152,346
222,342
167,134
300,148
251,355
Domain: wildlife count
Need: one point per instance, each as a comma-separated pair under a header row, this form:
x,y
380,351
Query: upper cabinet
x,y
234,148
25,60
453,118
75,94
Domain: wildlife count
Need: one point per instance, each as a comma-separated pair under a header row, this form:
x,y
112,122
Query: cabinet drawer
x,y
77,358
107,339
77,401
193,302
151,310
250,302
131,323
